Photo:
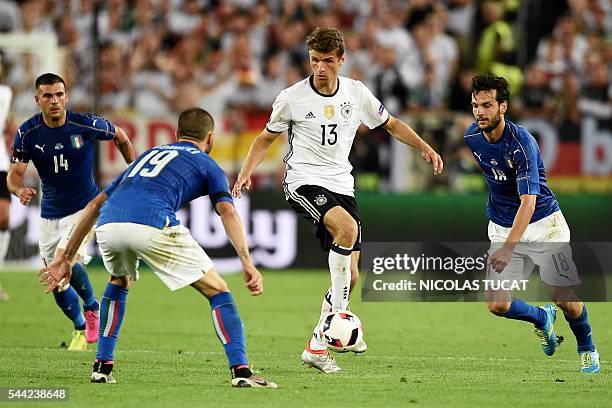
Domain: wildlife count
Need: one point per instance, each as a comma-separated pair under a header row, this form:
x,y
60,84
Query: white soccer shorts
x,y
172,253
545,244
55,233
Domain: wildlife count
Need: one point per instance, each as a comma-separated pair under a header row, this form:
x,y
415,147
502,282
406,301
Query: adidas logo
x,y
310,115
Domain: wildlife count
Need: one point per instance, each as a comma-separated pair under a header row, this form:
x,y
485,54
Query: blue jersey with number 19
x,y
159,182
512,166
64,158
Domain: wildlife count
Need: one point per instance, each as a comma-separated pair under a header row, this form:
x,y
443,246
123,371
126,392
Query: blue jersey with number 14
x,y
159,182
64,158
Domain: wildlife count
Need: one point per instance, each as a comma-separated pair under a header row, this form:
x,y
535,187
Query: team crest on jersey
x,y
329,111
77,141
320,200
346,110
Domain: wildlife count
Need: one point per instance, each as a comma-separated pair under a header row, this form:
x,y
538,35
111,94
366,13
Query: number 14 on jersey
x,y
60,162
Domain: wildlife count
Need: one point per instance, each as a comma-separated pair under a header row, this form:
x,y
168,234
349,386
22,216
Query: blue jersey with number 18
x,y
159,182
64,158
512,166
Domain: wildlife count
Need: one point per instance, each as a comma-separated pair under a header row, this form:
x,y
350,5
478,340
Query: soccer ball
x,y
340,330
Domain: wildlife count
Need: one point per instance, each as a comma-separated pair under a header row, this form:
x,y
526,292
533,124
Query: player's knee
x,y
210,284
216,285
498,308
221,287
121,281
210,291
348,234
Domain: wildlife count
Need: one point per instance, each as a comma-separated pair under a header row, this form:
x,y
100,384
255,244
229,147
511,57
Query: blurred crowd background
x,y
153,58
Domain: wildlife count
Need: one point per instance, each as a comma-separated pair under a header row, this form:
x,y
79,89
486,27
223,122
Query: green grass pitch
x,y
420,354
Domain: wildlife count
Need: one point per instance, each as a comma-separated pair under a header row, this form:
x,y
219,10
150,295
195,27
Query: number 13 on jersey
x,y
331,131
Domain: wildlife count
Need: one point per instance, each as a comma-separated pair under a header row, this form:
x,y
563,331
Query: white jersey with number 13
x,y
321,129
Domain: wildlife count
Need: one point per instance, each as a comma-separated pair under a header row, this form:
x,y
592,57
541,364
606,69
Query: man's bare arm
x,y
521,220
404,133
235,230
60,269
122,141
15,183
502,257
256,154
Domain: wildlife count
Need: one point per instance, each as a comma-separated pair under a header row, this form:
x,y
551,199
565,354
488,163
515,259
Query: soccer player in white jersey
x,y
526,226
6,95
321,114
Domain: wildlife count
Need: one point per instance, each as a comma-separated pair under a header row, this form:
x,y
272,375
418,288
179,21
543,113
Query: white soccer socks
x,y
317,344
340,270
5,237
337,297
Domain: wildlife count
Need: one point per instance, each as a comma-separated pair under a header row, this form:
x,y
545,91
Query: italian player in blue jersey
x,y
162,180
526,226
60,143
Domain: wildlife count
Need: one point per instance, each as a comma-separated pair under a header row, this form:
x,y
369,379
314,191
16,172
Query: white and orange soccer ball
x,y
341,330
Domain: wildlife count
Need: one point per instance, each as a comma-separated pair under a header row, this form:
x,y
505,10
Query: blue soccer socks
x,y
520,310
582,330
112,309
68,301
229,328
80,282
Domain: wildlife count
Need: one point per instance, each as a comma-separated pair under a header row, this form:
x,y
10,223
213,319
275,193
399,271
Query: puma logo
x,y
94,122
478,155
42,148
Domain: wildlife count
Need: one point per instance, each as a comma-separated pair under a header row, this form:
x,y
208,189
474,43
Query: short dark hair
x,y
48,79
489,82
325,40
195,123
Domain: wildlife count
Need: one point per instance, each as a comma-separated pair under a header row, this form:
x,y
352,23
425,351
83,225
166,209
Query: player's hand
x,y
56,274
500,259
25,194
253,279
243,182
430,156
